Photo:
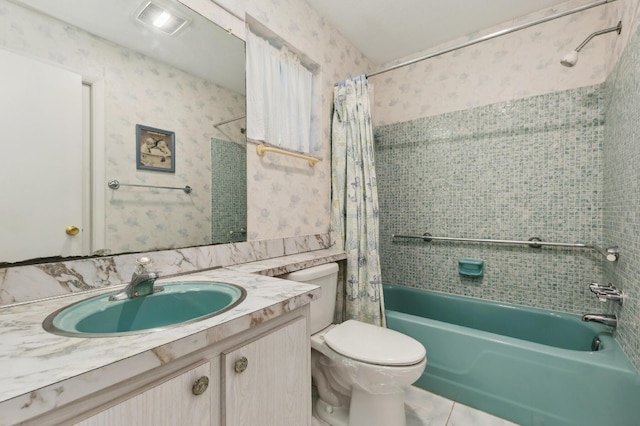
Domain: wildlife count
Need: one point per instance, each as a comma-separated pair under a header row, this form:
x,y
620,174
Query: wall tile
x,y
512,170
621,216
228,191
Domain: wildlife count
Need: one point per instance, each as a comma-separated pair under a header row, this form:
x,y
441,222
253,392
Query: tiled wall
x,y
621,170
452,174
511,170
228,190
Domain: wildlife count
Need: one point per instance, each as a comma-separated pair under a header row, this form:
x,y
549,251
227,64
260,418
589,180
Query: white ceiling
x,y
202,48
387,30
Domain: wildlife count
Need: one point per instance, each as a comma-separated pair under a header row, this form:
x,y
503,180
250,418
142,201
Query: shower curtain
x,y
354,223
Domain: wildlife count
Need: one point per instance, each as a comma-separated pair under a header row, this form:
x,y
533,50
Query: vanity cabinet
x,y
261,376
268,381
183,399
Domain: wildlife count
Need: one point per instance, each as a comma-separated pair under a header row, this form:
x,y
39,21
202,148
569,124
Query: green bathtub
x,y
530,366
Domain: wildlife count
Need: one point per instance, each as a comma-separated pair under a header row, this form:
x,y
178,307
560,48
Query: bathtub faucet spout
x,y
606,319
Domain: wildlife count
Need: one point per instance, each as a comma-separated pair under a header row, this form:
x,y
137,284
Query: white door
x,y
41,169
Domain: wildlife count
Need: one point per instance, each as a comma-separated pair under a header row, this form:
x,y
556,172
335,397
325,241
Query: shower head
x,y
571,58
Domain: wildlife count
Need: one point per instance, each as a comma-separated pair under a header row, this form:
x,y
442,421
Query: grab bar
x,y
241,231
612,254
263,149
114,184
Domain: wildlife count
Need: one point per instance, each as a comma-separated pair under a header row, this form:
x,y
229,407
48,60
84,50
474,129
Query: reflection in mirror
x,y
122,73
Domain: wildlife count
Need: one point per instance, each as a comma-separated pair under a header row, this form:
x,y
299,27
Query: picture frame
x,y
155,149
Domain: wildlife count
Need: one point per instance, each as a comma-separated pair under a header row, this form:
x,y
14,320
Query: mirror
x,y
185,90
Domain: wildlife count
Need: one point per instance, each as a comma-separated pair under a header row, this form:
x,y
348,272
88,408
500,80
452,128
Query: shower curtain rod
x,y
229,121
492,36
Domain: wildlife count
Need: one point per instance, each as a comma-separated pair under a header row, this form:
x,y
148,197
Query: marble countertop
x,y
37,364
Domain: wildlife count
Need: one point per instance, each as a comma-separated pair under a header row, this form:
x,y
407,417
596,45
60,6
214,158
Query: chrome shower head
x,y
571,58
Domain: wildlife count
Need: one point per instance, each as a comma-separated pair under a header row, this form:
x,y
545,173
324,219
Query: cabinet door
x,y
273,386
171,402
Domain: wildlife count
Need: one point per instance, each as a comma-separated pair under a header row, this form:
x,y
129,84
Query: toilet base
x,y
365,410
335,416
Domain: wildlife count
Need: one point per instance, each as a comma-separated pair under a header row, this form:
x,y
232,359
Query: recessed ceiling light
x,y
152,14
161,20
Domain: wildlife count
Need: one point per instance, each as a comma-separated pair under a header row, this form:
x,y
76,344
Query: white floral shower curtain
x,y
355,201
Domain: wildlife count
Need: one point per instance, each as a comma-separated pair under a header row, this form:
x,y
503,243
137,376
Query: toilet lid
x,y
374,345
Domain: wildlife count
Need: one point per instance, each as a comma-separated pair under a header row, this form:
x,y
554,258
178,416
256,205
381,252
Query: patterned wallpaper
x,y
513,170
621,216
520,64
139,90
627,11
286,196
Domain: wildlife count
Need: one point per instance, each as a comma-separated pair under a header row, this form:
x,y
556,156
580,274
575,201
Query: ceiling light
x,y
161,20
152,14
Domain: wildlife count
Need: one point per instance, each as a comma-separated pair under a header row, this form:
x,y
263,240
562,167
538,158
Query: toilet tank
x,y
325,276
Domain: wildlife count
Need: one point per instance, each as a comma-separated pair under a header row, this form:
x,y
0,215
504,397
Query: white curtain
x,y
354,201
278,96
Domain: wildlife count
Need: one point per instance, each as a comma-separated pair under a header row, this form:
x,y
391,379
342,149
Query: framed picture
x,y
155,149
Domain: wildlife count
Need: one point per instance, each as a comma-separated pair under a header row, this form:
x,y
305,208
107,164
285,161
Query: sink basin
x,y
179,303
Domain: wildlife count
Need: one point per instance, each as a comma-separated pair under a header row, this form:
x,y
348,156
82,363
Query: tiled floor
x,y
427,409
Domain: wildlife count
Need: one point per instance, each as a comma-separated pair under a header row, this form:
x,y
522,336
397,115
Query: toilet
x,y
360,370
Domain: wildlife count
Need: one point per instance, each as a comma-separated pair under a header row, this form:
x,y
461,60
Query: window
x,y
279,91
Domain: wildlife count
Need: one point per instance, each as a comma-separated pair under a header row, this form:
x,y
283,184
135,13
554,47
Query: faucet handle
x,y
606,292
142,263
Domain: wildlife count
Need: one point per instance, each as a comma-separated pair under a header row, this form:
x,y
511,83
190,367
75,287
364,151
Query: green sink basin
x,y
178,304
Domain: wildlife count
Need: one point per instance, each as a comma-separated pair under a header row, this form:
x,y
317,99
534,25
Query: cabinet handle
x,y
200,385
241,365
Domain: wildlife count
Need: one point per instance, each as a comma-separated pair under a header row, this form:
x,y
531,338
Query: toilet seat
x,y
374,345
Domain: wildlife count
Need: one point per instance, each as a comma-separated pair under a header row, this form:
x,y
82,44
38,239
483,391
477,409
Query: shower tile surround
x,y
513,170
228,190
621,215
560,166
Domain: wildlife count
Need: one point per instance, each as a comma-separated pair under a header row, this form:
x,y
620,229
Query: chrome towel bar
x,y
114,184
612,254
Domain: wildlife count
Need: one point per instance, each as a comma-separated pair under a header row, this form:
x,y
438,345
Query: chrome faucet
x,y
142,282
606,292
606,319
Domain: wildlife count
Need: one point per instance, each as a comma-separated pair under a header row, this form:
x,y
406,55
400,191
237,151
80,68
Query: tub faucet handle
x,y
606,292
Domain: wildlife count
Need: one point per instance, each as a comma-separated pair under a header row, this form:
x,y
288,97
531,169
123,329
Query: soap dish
x,y
471,267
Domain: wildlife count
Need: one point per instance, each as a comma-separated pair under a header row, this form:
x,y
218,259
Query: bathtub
x,y
530,366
